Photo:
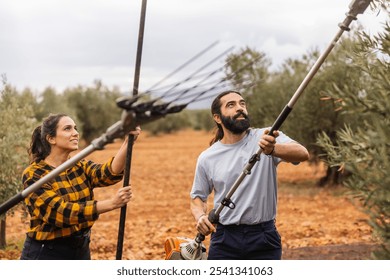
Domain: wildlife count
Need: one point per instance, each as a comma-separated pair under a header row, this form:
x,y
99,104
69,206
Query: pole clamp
x,y
228,203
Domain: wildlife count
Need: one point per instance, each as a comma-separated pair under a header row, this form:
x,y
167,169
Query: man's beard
x,y
234,125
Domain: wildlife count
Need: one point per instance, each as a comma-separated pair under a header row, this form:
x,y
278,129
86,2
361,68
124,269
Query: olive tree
x,y
17,122
363,150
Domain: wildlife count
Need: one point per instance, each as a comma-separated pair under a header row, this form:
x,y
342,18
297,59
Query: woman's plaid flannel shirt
x,y
66,204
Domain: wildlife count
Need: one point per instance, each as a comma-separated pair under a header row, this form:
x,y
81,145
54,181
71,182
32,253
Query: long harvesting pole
x,y
126,178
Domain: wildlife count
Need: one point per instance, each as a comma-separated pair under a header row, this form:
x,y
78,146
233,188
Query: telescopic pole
x,y
356,7
126,178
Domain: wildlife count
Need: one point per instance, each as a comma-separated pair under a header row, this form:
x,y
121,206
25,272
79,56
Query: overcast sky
x,y
65,43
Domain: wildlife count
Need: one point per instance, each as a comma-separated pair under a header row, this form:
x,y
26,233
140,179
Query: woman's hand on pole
x,y
136,132
120,199
118,164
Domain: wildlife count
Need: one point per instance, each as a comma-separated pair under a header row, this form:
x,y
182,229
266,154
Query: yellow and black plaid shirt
x,y
66,204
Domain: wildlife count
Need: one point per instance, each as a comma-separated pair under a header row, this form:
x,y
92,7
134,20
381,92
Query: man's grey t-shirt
x,y
220,165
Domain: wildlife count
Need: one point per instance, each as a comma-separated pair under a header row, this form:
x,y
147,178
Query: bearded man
x,y
246,229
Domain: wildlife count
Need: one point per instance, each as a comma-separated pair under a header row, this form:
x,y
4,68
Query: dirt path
x,y
314,224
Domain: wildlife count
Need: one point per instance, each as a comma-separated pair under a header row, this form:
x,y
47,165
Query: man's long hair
x,y
216,109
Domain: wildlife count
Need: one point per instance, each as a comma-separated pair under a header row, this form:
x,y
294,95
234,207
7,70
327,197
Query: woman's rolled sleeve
x,y
101,174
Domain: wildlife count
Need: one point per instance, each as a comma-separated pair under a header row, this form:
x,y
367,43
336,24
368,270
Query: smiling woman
x,y
64,210
64,141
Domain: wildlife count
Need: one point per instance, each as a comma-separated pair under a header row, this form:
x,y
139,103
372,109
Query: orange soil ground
x,y
314,223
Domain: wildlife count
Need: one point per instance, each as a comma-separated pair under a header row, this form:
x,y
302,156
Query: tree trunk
x,y
333,177
3,242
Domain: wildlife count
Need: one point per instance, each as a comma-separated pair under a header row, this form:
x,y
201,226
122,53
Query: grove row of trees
x,y
342,117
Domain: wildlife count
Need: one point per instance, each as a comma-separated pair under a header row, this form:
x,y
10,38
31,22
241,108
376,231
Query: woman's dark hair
x,y
216,109
39,146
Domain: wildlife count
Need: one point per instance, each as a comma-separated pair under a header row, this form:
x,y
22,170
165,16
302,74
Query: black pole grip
x,y
280,119
213,217
11,203
199,238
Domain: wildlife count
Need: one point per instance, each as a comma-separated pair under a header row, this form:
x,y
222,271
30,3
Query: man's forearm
x,y
291,152
198,208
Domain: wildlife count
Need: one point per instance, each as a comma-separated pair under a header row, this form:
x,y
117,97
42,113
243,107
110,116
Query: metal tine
x,y
163,109
250,85
149,105
166,104
216,85
163,106
205,76
201,75
181,93
182,66
230,76
218,82
196,77
196,72
141,107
